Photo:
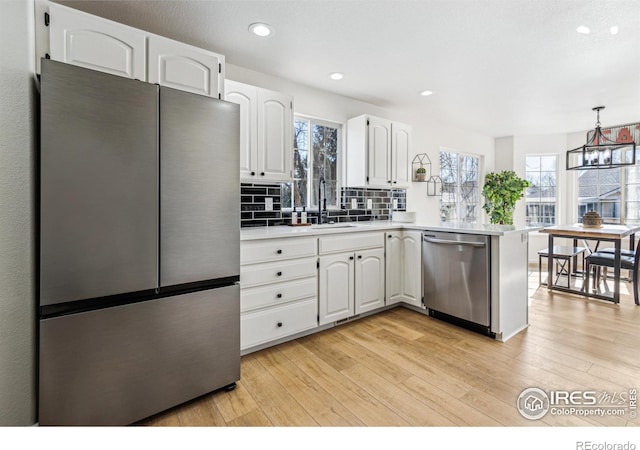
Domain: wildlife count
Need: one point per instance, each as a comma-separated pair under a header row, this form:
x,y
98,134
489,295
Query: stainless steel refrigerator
x,y
139,247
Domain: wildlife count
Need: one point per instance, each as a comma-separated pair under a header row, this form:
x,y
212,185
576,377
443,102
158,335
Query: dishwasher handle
x,y
450,242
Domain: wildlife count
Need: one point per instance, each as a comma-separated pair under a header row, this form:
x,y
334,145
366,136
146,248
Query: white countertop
x,y
248,234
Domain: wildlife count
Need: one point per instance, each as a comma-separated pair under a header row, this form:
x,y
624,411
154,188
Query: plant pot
x,y
421,176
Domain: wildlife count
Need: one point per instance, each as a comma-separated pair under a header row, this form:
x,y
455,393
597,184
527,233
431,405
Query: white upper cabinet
x,y
181,66
95,43
378,152
275,135
266,132
90,41
247,97
401,136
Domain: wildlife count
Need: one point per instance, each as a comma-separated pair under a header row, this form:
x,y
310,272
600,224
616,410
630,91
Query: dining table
x,y
607,233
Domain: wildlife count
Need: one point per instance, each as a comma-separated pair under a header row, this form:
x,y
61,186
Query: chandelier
x,y
600,152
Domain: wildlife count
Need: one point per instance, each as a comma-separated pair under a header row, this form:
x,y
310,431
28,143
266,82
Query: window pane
x,y
540,196
460,186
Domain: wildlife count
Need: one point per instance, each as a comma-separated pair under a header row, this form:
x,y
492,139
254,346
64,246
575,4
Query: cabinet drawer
x,y
350,242
262,326
256,274
276,249
277,293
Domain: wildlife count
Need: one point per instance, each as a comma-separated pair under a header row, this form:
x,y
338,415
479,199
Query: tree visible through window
x,y
316,147
541,195
460,186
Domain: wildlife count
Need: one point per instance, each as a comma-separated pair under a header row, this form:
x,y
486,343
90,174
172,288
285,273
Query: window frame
x,y
480,172
312,120
557,186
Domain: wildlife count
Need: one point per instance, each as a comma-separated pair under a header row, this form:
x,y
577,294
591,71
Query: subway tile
x,y
267,215
253,191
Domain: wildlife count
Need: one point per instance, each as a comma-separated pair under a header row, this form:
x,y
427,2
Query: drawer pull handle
x,y
279,295
279,252
279,274
279,324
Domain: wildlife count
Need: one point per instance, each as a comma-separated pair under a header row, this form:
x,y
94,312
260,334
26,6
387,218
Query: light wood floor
x,y
401,368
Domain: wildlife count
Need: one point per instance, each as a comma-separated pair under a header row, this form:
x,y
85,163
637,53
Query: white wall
x,y
17,151
429,136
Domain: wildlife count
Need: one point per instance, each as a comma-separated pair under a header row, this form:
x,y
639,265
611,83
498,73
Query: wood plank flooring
x,y
401,368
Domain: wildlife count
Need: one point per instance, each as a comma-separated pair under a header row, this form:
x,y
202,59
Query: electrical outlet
x,y
395,203
369,203
268,204
354,203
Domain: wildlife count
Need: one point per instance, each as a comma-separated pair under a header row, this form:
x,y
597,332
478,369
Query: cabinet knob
x,y
279,324
262,174
279,252
359,256
389,181
253,174
351,257
279,295
390,236
395,182
279,274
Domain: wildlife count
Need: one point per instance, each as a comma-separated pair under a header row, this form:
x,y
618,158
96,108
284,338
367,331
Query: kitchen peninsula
x,y
299,280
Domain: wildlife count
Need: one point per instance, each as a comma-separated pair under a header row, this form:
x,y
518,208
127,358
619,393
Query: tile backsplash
x,y
253,213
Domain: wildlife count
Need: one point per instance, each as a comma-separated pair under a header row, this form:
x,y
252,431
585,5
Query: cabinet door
x,y
379,151
412,267
275,136
336,288
95,43
247,97
369,278
181,66
393,263
400,151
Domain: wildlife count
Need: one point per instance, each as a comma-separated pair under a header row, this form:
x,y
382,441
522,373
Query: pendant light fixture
x,y
600,152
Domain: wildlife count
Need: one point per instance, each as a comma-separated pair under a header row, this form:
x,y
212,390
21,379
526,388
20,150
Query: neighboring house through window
x,y
460,176
316,148
541,196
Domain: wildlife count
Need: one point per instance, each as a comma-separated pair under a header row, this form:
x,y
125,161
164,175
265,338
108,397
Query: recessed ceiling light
x,y
260,29
426,93
336,76
583,30
614,30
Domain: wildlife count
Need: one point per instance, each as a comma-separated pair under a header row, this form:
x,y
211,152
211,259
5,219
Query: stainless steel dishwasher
x,y
456,278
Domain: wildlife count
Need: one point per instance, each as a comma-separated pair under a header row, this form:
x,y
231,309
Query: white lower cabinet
x,y
404,267
350,283
278,289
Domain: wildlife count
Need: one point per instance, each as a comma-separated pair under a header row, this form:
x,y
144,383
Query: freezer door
x,y
199,188
99,178
136,360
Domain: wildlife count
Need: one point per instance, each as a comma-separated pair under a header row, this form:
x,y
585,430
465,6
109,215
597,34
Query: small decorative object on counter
x,y
303,216
591,219
294,218
501,191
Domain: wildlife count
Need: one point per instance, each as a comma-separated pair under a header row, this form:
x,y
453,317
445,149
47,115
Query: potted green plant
x,y
421,174
501,192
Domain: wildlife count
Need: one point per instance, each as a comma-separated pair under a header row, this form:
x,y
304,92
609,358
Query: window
x,y
541,196
613,193
599,190
316,147
460,176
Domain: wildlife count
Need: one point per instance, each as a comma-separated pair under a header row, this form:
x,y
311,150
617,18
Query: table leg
x,y
616,273
550,263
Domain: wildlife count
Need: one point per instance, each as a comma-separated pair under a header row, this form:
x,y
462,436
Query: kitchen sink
x,y
333,225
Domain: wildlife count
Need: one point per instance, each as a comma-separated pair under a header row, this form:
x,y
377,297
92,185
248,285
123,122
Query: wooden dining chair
x,y
629,260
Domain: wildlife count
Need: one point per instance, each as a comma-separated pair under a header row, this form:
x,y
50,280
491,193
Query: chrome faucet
x,y
322,200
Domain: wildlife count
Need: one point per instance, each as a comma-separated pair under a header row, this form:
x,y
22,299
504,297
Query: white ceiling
x,y
499,67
